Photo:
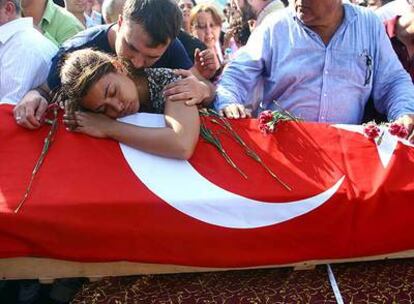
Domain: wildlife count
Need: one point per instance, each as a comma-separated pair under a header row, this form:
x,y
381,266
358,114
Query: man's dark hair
x,y
161,19
15,2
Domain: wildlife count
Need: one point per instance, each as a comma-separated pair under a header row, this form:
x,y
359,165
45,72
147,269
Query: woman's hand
x,y
92,124
206,63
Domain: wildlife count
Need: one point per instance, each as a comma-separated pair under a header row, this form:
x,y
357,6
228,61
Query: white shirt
x,y
269,9
25,59
94,19
392,9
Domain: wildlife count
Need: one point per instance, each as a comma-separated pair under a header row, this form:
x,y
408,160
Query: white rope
x,y
334,285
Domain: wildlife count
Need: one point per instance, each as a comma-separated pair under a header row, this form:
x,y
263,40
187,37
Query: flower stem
x,y
46,146
209,136
249,151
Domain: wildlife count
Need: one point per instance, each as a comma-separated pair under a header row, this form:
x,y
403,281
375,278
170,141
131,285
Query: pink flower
x,y
266,122
265,117
397,129
371,130
267,128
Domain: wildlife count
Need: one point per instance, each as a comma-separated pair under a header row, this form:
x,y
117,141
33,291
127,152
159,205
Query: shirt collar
x,y
391,26
10,28
350,15
49,11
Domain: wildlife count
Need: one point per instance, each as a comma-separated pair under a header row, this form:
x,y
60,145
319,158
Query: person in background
x,y
226,21
93,16
25,54
400,30
190,42
97,5
337,56
77,8
206,25
186,6
56,23
255,11
111,9
238,32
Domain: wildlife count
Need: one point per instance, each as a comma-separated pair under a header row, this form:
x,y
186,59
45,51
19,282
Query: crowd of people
x,y
330,61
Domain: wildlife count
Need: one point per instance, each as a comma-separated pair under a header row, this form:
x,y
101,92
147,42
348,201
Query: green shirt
x,y
58,24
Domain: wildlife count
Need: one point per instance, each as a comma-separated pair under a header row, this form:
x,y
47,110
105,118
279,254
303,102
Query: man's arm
x,y
30,111
23,70
241,75
393,90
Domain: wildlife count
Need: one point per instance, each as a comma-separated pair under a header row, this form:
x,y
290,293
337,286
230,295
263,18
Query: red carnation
x,y
399,130
267,122
267,128
265,117
371,130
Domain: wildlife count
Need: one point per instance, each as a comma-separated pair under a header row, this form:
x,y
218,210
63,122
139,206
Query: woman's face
x,y
205,29
185,7
114,95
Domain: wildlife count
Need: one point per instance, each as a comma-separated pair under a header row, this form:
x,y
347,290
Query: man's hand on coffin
x,y
206,63
408,121
188,89
30,111
236,111
92,124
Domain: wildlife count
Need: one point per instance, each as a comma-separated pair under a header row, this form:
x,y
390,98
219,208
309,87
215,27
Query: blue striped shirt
x,y
317,82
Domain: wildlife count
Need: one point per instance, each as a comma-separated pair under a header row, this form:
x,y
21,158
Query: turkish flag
x,y
96,200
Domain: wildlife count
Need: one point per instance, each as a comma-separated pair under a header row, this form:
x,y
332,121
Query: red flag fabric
x,y
349,198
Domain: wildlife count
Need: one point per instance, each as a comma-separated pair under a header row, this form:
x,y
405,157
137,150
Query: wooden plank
x,y
49,269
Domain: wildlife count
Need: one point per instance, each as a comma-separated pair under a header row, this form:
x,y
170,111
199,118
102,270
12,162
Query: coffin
x,y
99,208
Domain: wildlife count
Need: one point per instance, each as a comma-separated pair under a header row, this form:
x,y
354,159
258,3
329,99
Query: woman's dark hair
x,y
161,19
80,70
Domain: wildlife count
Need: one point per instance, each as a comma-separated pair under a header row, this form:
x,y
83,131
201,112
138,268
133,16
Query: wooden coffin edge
x,y
49,269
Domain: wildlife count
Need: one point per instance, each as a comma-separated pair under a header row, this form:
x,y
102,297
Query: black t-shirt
x,y
175,57
190,43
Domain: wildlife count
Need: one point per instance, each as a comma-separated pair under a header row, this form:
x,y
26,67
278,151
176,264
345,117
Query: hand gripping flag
x,y
96,200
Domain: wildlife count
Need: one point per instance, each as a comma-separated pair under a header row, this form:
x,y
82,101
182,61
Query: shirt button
x,y
326,72
324,94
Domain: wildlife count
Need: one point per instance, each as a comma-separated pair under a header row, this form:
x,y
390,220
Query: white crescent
x,y
177,183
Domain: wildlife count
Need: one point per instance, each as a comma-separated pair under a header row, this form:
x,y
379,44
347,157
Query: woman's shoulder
x,y
158,78
161,76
